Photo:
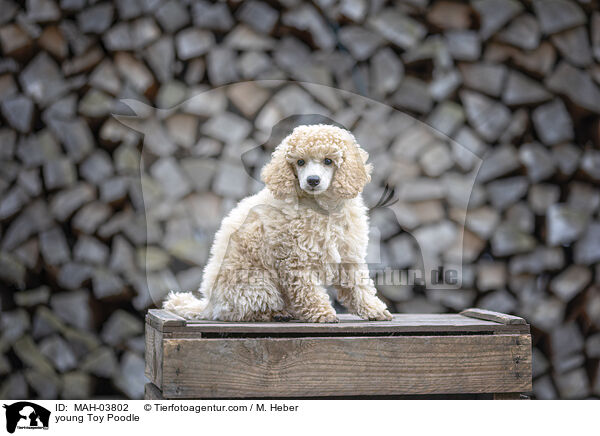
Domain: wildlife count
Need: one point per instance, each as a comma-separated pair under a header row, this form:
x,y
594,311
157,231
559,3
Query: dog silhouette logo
x,y
26,415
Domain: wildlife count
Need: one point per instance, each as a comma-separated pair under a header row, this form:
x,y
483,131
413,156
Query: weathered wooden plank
x,y
492,316
153,354
160,319
347,319
149,352
346,366
304,330
352,325
151,392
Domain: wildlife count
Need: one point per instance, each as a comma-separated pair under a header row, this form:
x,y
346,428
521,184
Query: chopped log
x,y
488,118
522,90
192,43
172,16
464,45
398,28
574,46
564,224
495,13
507,191
499,162
41,80
484,77
557,15
450,15
258,15
538,161
553,123
522,32
575,84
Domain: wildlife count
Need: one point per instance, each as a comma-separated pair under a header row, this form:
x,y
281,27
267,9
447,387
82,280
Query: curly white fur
x,y
277,250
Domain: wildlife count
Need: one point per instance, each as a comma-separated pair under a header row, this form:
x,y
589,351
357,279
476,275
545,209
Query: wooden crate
x,y
474,352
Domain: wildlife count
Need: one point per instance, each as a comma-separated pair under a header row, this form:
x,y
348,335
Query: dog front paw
x,y
329,317
375,314
384,315
282,316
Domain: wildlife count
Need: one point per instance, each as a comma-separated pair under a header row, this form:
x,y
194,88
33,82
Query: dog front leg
x,y
357,292
308,300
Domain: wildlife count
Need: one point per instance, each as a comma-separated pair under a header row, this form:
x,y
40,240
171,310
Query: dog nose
x,y
313,180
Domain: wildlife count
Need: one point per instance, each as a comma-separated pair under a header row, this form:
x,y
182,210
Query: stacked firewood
x,y
128,129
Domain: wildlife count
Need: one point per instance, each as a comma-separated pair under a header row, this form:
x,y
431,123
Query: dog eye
x,y
300,162
327,161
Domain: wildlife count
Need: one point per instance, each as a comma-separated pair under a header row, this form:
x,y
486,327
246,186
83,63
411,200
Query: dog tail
x,y
186,305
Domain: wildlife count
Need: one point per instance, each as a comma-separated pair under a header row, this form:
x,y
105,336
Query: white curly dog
x,y
307,229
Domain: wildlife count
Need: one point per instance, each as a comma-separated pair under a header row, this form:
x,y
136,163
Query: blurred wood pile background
x,y
510,90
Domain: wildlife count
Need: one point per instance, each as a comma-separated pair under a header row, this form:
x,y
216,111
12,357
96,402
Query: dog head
x,y
316,160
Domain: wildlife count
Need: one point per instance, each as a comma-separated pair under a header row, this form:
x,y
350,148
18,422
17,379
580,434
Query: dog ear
x,y
278,174
353,174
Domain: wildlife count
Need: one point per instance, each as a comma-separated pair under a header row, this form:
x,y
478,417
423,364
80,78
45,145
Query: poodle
x,y
308,228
